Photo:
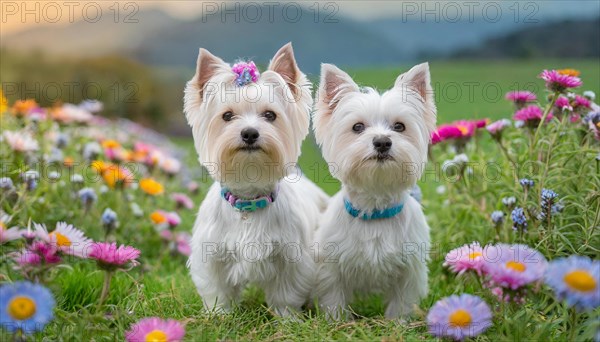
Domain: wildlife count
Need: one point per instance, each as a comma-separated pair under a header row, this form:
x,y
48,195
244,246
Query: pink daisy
x,y
513,266
110,257
521,97
182,201
170,166
531,116
173,219
497,127
183,244
557,82
465,258
155,329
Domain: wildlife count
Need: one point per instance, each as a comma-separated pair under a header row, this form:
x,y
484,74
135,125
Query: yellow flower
x,y
3,103
569,72
99,166
157,217
151,187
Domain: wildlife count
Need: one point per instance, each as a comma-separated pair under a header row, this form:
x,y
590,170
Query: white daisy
x,y
20,141
67,238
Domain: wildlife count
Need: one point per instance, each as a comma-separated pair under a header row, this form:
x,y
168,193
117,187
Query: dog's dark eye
x,y
270,115
227,116
358,127
399,127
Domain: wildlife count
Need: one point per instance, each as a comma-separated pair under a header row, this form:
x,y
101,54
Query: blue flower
x,y
6,184
109,217
87,196
497,217
519,219
575,279
526,183
25,306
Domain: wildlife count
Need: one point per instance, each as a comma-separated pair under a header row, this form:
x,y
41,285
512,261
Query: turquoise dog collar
x,y
376,214
247,205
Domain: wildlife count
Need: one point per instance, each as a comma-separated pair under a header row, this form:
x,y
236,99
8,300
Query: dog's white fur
x,y
268,247
383,255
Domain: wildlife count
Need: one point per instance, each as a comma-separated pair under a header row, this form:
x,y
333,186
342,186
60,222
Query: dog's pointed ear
x,y
284,63
418,80
335,84
206,67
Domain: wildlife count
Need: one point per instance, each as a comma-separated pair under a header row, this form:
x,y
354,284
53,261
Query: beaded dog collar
x,y
248,204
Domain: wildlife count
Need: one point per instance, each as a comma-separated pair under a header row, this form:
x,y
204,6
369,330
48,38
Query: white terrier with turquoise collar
x,y
256,223
373,236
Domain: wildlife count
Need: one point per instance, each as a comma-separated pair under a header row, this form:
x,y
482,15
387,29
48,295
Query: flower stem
x,y
105,288
514,164
573,320
543,121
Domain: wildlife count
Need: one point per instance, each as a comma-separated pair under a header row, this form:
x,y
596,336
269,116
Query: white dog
x,y
256,222
373,236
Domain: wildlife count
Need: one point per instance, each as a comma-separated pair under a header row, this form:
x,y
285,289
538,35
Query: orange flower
x,y
68,162
115,175
158,217
569,72
151,187
108,143
21,107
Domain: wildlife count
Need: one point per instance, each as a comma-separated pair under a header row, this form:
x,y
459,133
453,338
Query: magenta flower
x,y
155,329
557,82
445,132
521,98
37,253
465,258
513,266
582,102
246,72
111,257
531,116
563,103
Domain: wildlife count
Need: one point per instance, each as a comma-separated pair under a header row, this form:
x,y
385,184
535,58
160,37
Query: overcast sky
x,y
11,11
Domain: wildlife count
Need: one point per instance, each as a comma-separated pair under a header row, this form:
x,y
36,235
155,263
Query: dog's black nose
x,y
250,135
382,144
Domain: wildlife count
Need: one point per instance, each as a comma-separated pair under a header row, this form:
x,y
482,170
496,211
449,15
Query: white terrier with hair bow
x,y
373,236
256,222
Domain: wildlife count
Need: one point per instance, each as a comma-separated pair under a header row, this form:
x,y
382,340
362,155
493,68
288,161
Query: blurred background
x,y
136,56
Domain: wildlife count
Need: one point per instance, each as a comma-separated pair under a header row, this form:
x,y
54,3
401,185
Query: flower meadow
x,y
95,219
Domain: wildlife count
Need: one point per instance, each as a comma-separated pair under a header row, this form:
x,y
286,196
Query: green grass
x,y
161,286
